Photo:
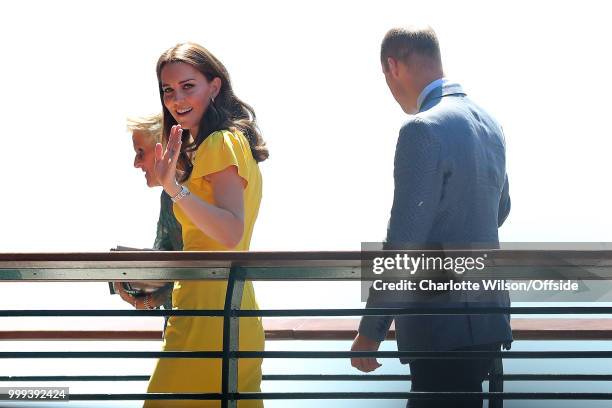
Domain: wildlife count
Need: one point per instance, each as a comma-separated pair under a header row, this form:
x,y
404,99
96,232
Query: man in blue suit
x,y
451,191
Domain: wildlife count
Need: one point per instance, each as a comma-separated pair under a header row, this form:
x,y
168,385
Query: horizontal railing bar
x,y
424,354
156,272
307,354
348,396
325,265
111,272
308,377
510,273
111,354
552,256
75,378
425,395
515,310
151,396
408,377
109,313
526,328
557,377
197,258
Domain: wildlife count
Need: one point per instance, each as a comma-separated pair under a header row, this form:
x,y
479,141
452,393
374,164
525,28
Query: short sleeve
x,y
221,150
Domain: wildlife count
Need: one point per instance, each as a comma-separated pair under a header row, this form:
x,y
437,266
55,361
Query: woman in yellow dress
x,y
209,168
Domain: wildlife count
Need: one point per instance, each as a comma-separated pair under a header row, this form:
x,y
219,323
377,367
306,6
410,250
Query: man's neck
x,y
427,89
426,79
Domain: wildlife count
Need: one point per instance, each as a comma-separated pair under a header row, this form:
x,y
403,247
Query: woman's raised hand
x,y
165,161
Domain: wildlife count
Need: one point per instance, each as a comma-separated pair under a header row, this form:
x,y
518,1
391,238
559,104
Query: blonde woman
x,y
146,133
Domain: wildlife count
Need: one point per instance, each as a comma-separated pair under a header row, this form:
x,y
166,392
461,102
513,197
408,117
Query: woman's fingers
x,y
119,289
174,143
159,152
173,147
165,160
179,141
173,136
123,294
159,158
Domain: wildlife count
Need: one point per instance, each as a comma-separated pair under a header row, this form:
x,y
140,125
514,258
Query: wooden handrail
x,y
110,266
330,329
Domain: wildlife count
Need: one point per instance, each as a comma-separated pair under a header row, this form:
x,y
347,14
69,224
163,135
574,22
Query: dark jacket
x,y
451,190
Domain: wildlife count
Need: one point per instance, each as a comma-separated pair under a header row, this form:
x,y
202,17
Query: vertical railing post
x,y
231,332
496,382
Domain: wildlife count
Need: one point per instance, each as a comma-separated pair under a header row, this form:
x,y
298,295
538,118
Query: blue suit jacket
x,y
451,190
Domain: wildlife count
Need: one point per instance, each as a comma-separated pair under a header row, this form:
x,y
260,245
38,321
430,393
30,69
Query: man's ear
x,y
393,66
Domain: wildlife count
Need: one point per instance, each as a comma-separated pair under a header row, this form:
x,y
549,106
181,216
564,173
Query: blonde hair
x,y
150,125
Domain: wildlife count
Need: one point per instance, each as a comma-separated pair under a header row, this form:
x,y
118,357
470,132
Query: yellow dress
x,y
219,151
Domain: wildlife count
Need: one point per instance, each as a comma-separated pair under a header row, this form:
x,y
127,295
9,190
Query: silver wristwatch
x,y
181,194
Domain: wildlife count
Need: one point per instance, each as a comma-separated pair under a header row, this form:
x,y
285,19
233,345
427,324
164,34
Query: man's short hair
x,y
402,43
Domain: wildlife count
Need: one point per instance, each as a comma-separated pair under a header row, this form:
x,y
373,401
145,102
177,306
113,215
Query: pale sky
x,y
72,71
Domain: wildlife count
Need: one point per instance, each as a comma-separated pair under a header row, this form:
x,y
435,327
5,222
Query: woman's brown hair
x,y
226,112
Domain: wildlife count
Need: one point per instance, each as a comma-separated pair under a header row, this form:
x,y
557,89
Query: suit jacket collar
x,y
434,96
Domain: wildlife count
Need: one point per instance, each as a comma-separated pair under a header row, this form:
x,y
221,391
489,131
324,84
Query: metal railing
x,y
237,267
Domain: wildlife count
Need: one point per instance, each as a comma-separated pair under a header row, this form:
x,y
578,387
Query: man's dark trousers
x,y
451,375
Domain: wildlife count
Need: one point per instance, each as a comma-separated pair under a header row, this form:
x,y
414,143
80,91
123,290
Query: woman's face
x,y
187,93
144,159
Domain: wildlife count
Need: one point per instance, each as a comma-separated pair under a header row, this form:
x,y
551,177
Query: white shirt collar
x,y
433,85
